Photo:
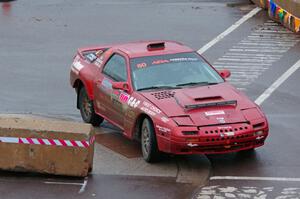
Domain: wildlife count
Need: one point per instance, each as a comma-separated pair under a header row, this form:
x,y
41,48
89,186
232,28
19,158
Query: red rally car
x,y
167,96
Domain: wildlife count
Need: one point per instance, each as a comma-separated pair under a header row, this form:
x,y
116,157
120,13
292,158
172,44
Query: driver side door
x,y
114,70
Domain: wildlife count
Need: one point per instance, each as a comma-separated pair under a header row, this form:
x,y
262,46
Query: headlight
x,y
258,133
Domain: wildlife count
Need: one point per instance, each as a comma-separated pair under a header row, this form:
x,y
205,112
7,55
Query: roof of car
x,y
140,48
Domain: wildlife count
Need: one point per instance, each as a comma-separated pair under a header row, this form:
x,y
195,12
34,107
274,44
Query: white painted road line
x,y
255,178
63,183
229,30
83,185
82,189
277,83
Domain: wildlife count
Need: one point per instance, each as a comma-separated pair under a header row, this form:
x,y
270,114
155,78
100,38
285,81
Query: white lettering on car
x,y
221,120
98,62
133,102
164,119
151,107
229,133
149,112
163,129
77,66
211,113
224,127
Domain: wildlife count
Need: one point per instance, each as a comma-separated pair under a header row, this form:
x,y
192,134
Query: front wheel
x,y
87,109
148,142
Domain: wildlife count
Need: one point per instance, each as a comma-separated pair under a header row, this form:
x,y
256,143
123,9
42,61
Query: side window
x,y
115,68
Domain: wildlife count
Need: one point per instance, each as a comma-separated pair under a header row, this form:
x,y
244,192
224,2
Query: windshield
x,y
172,71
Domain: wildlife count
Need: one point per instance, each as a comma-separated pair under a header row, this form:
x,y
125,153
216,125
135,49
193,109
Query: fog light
x,y
258,133
189,132
192,139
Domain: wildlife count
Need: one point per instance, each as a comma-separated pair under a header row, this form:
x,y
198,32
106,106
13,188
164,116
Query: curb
x,y
285,12
194,169
191,169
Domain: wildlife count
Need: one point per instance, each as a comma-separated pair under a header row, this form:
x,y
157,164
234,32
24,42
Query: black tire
x,y
87,109
148,142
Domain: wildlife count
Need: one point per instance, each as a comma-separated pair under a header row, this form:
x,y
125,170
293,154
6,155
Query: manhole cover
x,y
119,144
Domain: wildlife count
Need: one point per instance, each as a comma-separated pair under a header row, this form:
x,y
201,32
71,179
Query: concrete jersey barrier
x,y
291,6
46,146
286,12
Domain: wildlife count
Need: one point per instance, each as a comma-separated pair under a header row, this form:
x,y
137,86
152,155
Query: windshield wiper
x,y
158,87
197,83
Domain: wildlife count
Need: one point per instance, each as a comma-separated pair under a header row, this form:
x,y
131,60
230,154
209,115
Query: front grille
x,y
238,137
216,130
237,131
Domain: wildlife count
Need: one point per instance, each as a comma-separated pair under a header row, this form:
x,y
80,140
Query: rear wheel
x,y
148,142
87,109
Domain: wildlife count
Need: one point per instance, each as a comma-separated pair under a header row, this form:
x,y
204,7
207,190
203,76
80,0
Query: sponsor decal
x,y
149,112
224,127
211,113
91,57
221,120
164,119
151,107
160,62
130,114
163,129
116,102
124,97
133,102
98,62
181,59
229,133
98,53
77,67
141,65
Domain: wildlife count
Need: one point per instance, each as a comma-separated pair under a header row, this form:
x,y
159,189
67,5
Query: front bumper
x,y
219,139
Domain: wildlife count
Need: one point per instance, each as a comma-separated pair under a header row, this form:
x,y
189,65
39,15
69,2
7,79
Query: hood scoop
x,y
163,94
208,98
211,104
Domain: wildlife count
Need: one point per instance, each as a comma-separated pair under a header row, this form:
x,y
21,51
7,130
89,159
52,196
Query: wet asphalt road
x,y
280,155
38,41
29,186
41,38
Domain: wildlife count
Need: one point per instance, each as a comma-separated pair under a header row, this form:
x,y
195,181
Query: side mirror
x,y
120,85
224,73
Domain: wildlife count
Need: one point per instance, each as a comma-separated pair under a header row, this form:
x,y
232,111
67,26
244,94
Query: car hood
x,y
204,105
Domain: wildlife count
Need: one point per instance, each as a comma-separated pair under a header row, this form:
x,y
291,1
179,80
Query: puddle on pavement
x,y
118,143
